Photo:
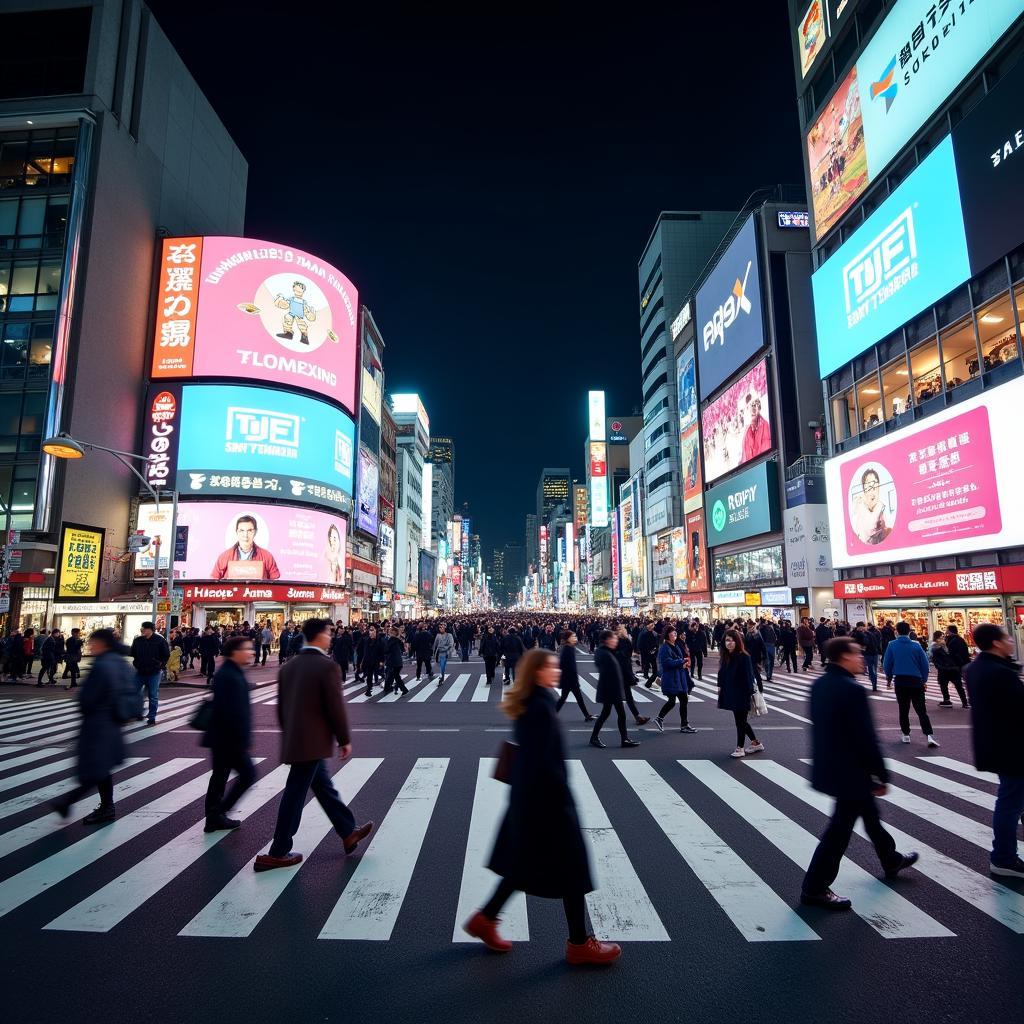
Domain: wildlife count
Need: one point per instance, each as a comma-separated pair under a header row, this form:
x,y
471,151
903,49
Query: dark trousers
x,y
907,694
808,658
871,667
510,668
207,665
343,665
572,689
824,866
620,717
952,675
301,777
48,669
575,910
465,651
789,659
264,653
697,662
649,667
671,703
743,728
105,789
489,663
769,661
630,703
393,681
224,760
370,676
423,664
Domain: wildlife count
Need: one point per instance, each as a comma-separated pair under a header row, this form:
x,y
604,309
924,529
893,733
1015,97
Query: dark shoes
x,y
222,823
595,742
354,838
61,807
643,719
592,952
486,930
908,861
264,862
828,900
100,816
630,743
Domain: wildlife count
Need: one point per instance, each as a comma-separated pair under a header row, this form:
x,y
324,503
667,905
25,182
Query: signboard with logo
x,y
681,320
805,490
744,506
793,219
729,597
736,426
879,587
617,432
79,560
232,593
908,254
697,552
598,483
778,597
247,542
808,555
949,583
811,33
227,439
730,325
367,517
238,307
949,483
387,512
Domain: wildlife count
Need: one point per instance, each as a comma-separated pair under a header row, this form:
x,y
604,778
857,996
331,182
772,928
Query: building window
x,y
869,401
21,420
959,353
997,332
17,496
844,416
895,388
924,367
27,285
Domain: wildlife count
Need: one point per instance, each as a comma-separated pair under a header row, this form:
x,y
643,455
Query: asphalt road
x,y
699,859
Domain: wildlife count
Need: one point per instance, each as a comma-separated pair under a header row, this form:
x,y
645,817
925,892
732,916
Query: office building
x,y
412,435
441,459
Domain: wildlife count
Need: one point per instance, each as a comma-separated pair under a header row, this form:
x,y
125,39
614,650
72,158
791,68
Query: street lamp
x,y
64,446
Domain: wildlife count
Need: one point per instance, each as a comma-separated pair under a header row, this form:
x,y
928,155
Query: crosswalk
x,y
706,824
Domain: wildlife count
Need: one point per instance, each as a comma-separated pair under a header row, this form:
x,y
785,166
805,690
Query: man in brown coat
x,y
311,712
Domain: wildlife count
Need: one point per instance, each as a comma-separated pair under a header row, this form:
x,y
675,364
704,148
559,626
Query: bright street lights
x,y
64,446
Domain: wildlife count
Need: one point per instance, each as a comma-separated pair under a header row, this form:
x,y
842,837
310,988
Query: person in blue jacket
x,y
906,665
673,668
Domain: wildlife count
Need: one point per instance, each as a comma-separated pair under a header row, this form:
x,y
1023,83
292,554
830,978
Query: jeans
x,y
301,777
769,661
871,665
808,658
620,716
671,703
824,866
442,664
149,683
224,760
912,693
1005,817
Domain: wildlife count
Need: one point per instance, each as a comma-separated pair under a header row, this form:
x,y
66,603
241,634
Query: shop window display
x,y
924,368
960,353
997,333
869,402
895,388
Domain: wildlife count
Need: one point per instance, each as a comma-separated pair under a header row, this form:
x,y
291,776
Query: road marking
x,y
26,801
962,767
240,906
490,798
39,725
23,778
482,691
620,908
372,900
948,786
885,910
588,691
390,698
32,755
997,901
142,730
754,908
425,692
454,691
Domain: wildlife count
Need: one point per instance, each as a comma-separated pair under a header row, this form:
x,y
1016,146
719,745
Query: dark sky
x,y
489,184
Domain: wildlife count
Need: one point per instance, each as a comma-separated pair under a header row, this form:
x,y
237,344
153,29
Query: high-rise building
x,y
498,571
532,542
412,431
515,571
911,118
552,492
442,484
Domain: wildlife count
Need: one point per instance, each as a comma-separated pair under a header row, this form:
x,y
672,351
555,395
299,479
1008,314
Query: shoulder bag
x,y
506,759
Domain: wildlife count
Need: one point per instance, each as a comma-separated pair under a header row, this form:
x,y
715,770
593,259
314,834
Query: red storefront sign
x,y
212,593
880,586
363,565
948,583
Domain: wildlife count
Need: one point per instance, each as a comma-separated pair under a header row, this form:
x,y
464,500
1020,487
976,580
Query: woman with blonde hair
x,y
540,848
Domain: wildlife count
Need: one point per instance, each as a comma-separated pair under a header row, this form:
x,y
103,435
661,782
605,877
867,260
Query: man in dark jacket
x,y
341,650
422,645
770,638
997,715
284,643
961,655
847,764
547,639
805,638
149,655
569,680
209,648
394,652
822,634
51,654
512,648
73,656
465,635
886,634
756,649
647,648
311,713
610,690
696,640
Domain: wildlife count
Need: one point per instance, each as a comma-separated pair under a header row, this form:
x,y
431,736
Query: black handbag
x,y
202,717
506,759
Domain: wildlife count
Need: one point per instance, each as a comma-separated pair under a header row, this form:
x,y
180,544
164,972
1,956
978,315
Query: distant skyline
x,y
489,184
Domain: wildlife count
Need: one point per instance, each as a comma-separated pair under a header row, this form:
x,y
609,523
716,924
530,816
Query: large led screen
x,y
812,35
226,439
736,426
239,541
239,307
950,483
368,496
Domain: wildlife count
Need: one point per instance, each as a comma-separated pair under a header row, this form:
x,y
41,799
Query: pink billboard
x,y
736,426
937,488
239,307
236,541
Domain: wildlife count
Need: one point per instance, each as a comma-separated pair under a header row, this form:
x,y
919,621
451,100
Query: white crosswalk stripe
x,y
952,788
452,691
33,755
481,691
962,767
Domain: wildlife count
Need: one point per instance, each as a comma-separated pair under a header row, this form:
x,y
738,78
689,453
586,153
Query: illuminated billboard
x,y
239,307
227,439
598,483
736,426
811,35
597,415
386,553
238,541
689,433
368,495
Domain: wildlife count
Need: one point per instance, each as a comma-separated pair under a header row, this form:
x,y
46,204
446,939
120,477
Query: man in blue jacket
x,y
906,664
848,765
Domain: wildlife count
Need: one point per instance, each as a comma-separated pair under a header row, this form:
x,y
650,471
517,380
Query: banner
x,y
79,558
736,426
368,497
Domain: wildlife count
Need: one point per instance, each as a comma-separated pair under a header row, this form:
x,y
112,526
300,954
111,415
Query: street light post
x,y
64,446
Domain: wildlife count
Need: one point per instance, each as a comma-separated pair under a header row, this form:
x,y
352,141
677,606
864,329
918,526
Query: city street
x,y
699,860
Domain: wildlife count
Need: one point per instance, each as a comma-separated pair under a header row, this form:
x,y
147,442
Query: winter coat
x,y
231,722
941,658
395,652
341,648
73,650
546,640
570,673
423,643
444,643
736,683
512,647
804,635
100,743
997,714
610,686
149,654
904,657
672,670
209,645
755,647
958,649
540,847
310,708
373,654
696,641
490,646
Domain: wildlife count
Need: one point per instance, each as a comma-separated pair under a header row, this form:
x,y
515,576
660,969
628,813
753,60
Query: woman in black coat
x,y
490,651
735,688
570,676
540,847
393,660
372,656
229,735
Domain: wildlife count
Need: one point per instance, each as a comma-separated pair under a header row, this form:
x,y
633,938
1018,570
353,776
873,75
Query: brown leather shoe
x,y
592,952
355,837
486,930
264,862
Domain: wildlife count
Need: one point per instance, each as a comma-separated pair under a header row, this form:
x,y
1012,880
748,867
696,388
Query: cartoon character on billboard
x,y
245,559
334,555
868,508
299,313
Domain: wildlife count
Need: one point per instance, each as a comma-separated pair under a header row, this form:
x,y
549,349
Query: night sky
x,y
489,184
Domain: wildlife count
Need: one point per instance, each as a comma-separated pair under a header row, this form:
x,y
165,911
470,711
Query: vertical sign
x,y
78,567
597,416
174,338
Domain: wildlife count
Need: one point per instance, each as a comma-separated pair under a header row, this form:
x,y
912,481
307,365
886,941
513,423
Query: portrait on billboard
x,y
244,559
693,484
837,158
736,425
368,493
686,386
872,498
696,552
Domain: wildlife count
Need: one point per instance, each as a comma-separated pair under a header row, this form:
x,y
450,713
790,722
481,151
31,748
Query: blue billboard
x,y
909,253
730,325
235,440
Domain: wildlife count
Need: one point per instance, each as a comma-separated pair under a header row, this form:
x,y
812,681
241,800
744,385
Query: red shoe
x,y
264,862
592,952
486,930
356,836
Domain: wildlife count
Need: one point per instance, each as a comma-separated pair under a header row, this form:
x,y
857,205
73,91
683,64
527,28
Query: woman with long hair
x,y
673,668
540,848
735,688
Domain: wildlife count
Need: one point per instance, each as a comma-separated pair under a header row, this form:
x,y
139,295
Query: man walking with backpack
x,y
149,655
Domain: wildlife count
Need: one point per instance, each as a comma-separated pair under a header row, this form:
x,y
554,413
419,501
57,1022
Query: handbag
x,y
506,759
202,717
758,705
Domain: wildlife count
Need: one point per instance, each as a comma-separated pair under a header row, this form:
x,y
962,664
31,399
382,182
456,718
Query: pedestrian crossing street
x,y
678,814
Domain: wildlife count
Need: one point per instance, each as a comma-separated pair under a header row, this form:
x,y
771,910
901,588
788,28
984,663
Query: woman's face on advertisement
x,y
871,490
333,540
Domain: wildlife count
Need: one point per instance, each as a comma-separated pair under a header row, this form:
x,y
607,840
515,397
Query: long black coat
x,y
395,652
609,676
231,722
570,675
490,646
997,713
846,760
100,743
540,848
735,683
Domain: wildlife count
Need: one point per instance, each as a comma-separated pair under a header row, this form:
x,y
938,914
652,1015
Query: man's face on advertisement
x,y
755,410
298,290
245,533
871,491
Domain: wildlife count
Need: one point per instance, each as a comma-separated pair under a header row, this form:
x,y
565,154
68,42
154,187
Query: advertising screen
x,y
79,562
736,426
908,254
595,402
368,494
697,553
686,388
238,307
598,483
246,542
680,560
729,320
226,439
811,35
693,484
939,486
746,505
836,156
386,553
662,567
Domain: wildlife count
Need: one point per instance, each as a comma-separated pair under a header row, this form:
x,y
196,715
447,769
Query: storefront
x,y
124,616
683,606
230,604
776,603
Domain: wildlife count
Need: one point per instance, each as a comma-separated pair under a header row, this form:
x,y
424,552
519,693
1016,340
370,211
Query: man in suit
x,y
847,765
311,713
610,690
